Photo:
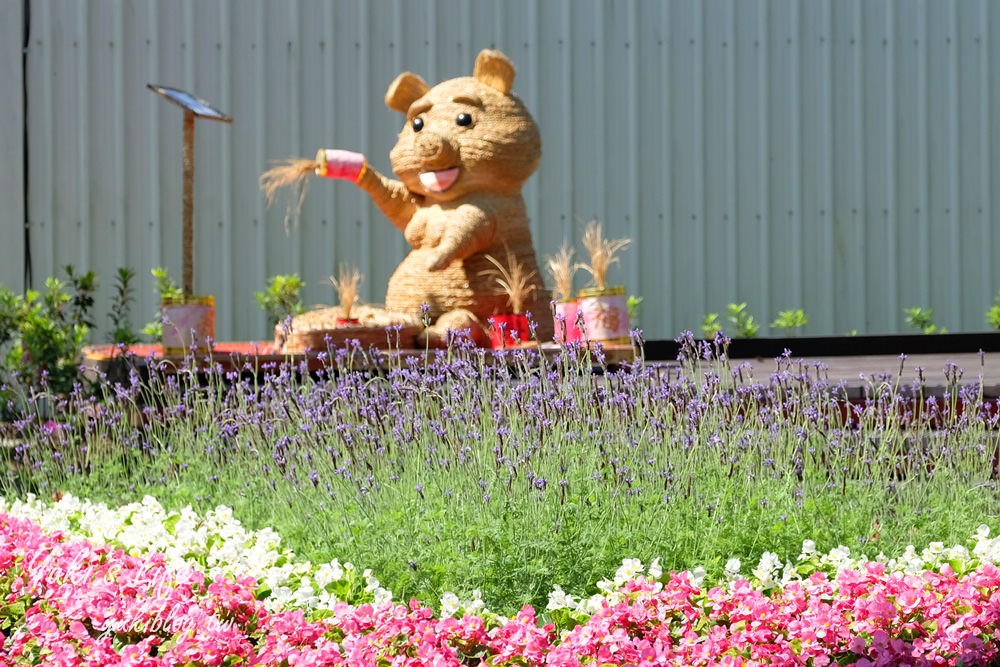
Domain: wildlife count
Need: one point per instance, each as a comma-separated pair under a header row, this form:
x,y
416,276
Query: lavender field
x,y
511,475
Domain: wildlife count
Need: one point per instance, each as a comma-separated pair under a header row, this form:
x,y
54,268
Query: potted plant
x,y
511,329
565,307
188,320
604,307
346,284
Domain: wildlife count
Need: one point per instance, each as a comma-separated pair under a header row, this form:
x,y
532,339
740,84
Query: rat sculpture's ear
x,y
495,70
404,91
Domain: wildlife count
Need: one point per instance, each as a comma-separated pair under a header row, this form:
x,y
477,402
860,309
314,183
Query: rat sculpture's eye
x,y
418,124
463,119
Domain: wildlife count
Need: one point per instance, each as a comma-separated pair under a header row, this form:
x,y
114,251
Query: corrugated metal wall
x,y
11,147
834,155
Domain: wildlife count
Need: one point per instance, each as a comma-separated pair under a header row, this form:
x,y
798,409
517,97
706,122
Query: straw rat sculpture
x,y
464,152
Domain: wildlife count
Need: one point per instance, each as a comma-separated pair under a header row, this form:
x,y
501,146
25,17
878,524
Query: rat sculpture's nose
x,y
434,150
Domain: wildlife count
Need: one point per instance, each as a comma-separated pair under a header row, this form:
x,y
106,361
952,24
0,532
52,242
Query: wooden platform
x,y
260,355
939,372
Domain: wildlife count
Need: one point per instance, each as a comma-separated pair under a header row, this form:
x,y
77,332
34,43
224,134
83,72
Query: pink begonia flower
x,y
93,605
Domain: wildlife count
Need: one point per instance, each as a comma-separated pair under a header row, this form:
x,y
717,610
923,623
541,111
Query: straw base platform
x,y
318,330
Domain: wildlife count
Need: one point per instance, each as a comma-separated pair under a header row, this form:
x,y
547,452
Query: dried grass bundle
x,y
294,173
513,280
347,283
562,269
603,252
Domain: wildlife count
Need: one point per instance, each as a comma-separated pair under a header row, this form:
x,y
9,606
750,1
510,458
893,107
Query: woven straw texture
x,y
318,330
481,144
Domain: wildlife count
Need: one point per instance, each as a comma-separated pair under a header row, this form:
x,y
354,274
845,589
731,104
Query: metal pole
x,y
188,204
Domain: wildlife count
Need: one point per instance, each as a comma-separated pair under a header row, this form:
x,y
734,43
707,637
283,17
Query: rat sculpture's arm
x,y
391,196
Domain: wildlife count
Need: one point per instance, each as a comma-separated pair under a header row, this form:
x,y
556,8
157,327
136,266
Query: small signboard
x,y
189,102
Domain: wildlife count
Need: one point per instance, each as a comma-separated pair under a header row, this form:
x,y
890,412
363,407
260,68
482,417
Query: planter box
x,y
841,346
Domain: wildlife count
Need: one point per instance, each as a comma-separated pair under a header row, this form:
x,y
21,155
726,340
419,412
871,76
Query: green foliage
x,y
790,320
633,303
282,298
923,319
711,327
42,334
122,332
83,288
743,322
993,314
168,290
165,285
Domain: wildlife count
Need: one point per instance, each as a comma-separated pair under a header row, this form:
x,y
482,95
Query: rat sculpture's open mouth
x,y
438,181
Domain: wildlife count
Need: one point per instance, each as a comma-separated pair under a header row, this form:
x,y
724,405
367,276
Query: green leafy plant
x,y
633,303
993,314
82,301
42,334
168,290
743,322
923,319
711,326
790,321
282,298
122,332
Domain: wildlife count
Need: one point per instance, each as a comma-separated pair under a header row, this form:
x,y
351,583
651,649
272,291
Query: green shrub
x,y
923,319
41,336
282,298
993,314
743,322
790,321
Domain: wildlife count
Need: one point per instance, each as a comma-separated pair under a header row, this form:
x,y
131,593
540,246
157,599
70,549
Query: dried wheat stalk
x,y
562,269
603,252
513,280
294,173
347,284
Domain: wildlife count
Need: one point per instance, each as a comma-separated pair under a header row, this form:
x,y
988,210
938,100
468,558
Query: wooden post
x,y
188,203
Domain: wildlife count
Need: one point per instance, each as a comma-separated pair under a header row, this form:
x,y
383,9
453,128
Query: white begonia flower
x,y
449,604
698,575
655,570
381,596
789,574
607,587
560,599
808,550
327,573
933,553
839,558
592,604
732,569
769,564
986,549
305,595
957,552
476,605
628,571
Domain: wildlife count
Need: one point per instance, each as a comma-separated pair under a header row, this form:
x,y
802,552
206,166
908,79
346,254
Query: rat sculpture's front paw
x,y
437,261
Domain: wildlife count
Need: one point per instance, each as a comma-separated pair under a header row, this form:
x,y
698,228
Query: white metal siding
x,y
838,156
